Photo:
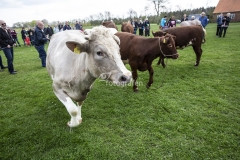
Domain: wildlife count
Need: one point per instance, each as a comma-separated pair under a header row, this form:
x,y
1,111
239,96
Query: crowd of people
x,y
37,37
142,26
222,22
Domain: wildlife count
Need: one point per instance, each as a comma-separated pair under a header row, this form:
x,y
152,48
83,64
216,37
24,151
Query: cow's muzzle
x,y
174,56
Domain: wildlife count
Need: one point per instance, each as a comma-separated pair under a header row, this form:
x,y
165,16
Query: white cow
x,y
73,74
194,22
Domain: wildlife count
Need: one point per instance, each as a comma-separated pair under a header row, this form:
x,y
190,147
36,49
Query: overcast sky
x,y
12,11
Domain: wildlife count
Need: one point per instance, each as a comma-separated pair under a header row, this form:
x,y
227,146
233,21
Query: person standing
x,y
140,26
203,19
135,26
55,29
40,39
14,36
77,26
1,65
66,27
23,33
6,44
184,18
225,24
49,31
31,35
172,22
163,23
147,27
219,24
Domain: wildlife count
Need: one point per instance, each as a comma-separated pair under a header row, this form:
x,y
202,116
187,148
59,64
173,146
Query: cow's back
x,y
185,34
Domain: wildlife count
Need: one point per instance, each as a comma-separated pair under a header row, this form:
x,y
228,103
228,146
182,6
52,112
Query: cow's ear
x,y
164,33
116,39
71,45
174,37
77,47
164,39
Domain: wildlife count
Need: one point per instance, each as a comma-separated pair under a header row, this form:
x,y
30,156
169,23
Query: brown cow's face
x,y
167,46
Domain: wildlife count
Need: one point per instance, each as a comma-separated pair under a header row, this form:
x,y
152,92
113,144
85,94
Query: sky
x,y
12,11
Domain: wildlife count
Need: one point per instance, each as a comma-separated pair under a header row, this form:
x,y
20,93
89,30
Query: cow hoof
x,y
147,86
135,90
69,124
195,64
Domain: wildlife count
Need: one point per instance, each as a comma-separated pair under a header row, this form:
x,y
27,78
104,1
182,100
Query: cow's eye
x,y
99,53
169,45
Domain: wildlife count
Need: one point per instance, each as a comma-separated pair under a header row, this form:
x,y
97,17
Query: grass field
x,y
194,115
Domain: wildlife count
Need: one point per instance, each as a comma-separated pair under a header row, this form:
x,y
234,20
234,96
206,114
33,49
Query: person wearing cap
x,y
6,44
203,19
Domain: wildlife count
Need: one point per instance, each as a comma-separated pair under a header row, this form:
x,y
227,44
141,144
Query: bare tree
x,y
132,13
159,4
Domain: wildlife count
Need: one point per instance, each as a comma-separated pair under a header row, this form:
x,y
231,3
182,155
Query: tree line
x,y
97,19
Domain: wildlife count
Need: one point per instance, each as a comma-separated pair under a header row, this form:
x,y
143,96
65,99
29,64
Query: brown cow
x,y
110,24
127,27
185,36
140,52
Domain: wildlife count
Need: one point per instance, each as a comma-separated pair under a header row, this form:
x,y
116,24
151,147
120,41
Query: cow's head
x,y
103,55
167,46
158,34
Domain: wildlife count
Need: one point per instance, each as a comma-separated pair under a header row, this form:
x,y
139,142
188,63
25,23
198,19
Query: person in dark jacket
x,y
39,40
49,31
6,44
14,36
184,18
147,27
31,36
140,26
225,24
66,27
135,26
23,33
219,24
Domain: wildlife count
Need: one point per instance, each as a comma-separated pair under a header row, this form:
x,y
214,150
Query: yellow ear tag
x,y
76,50
164,40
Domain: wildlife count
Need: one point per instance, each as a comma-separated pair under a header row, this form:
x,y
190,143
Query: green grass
x,y
194,115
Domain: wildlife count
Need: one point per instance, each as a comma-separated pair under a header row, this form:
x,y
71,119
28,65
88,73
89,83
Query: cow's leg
x,y
198,52
73,110
150,70
134,76
161,60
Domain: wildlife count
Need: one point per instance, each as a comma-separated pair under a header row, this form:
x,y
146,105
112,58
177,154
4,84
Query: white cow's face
x,y
104,56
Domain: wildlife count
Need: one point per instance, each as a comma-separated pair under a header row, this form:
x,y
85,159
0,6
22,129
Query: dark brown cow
x,y
185,36
127,27
110,24
140,52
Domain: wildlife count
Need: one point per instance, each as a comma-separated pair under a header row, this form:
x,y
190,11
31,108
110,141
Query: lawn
x,y
188,113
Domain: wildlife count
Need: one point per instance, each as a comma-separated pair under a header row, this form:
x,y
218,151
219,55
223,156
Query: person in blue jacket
x,y
219,24
163,23
203,19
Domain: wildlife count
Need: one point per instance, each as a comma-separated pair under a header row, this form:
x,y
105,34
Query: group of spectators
x,y
222,22
142,26
173,23
37,37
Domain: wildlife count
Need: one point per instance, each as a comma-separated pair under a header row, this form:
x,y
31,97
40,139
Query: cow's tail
x,y
204,35
203,40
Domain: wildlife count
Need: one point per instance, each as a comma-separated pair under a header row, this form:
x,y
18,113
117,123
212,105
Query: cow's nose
x,y
123,78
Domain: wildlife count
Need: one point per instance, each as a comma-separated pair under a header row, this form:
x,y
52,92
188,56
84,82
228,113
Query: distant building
x,y
228,6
